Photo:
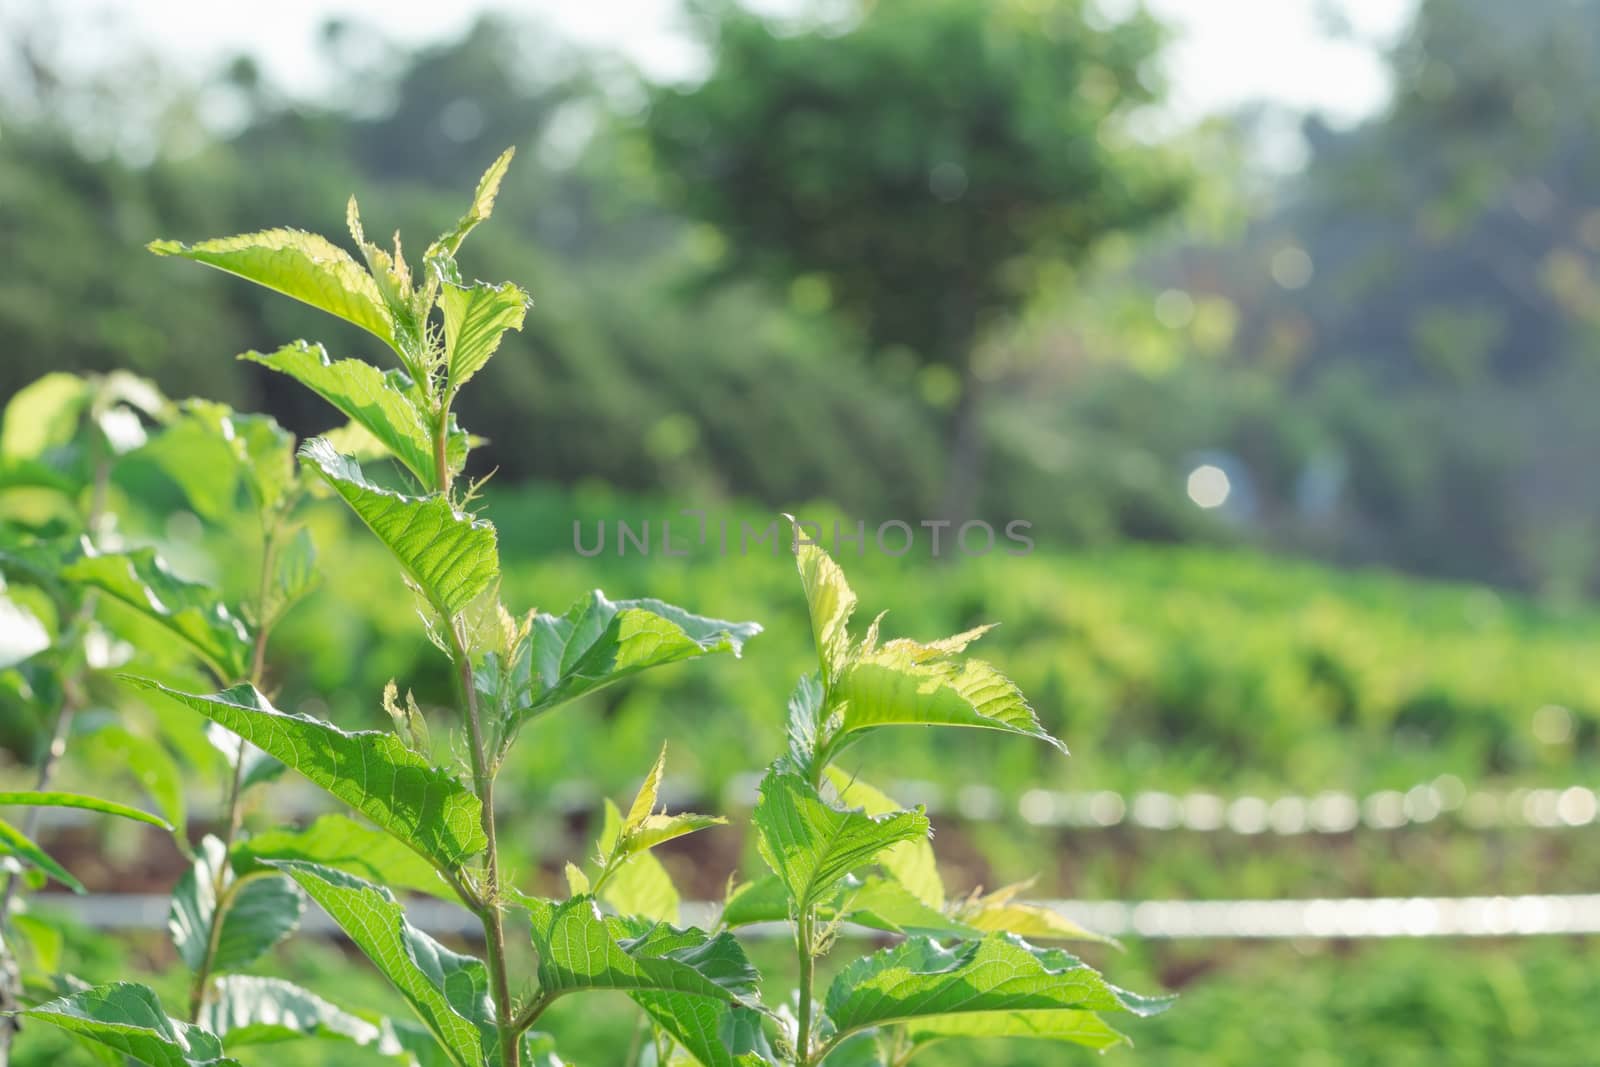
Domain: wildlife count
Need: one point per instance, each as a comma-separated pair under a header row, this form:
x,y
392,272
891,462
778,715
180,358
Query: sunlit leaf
x,y
373,772
449,992
450,556
599,641
189,610
384,403
831,603
298,264
1001,973
129,1018
896,686
911,863
475,319
812,845
482,205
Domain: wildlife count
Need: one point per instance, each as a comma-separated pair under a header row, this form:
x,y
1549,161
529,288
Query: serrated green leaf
x,y
644,828
482,206
302,265
250,1010
713,1033
599,641
14,843
911,863
831,602
812,845
449,992
893,686
580,949
254,913
804,722
1001,911
341,842
129,1018
36,799
1070,1027
476,317
384,403
188,610
1000,973
451,557
422,805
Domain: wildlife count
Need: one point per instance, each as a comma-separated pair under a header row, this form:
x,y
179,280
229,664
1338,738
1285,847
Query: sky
x,y
1227,53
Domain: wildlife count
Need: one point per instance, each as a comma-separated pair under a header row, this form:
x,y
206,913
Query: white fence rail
x,y
1349,918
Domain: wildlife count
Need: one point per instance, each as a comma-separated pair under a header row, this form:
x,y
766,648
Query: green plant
x,y
840,851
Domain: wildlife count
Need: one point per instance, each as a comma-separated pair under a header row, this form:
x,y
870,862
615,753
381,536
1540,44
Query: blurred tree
x,y
919,164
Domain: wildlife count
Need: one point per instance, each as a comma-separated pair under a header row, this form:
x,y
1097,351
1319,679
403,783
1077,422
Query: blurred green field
x,y
1163,667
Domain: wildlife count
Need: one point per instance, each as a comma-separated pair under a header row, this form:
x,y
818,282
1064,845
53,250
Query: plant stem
x,y
222,892
803,949
493,928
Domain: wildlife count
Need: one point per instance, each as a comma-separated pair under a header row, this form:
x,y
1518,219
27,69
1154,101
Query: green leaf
x,y
714,1033
448,992
765,900
637,885
189,610
831,603
298,264
255,913
482,205
1070,1027
1000,973
341,842
451,557
804,722
384,403
898,685
645,828
36,799
580,949
475,319
911,863
640,886
259,768
1000,911
373,772
250,1010
129,1018
13,843
812,845
43,415
209,449
599,641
